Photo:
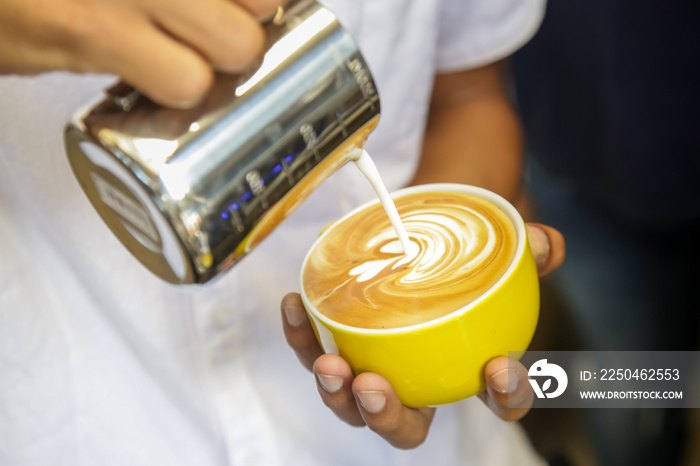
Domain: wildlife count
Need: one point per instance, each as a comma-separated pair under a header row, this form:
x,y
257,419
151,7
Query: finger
x,y
261,9
164,69
334,379
548,247
227,35
384,413
508,393
298,331
28,39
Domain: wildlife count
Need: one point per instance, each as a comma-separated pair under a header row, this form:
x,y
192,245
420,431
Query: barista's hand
x,y
166,48
369,399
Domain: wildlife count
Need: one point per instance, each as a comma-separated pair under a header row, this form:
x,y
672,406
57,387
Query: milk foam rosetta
x,y
460,245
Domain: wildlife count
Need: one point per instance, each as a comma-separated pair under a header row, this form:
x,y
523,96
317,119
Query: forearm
x,y
473,134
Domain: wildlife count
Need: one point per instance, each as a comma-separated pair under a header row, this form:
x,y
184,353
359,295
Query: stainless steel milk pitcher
x,y
190,192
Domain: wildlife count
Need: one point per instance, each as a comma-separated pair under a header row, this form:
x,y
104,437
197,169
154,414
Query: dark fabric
x,y
609,95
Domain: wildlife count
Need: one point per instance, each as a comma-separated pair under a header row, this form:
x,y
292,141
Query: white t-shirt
x,y
101,363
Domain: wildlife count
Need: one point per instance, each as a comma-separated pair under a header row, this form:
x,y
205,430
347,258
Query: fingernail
x,y
505,380
330,383
295,315
539,243
372,401
186,104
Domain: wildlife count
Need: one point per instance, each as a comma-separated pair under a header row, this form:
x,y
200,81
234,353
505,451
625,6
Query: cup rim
x,y
485,194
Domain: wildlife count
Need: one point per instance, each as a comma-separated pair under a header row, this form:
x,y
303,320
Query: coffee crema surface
x,y
358,275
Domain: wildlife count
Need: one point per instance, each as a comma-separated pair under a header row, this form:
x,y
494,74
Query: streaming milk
x,y
366,165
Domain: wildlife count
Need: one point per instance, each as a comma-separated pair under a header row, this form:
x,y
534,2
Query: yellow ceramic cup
x,y
442,360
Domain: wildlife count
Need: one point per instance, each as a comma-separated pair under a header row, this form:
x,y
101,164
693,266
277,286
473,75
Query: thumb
x,y
547,246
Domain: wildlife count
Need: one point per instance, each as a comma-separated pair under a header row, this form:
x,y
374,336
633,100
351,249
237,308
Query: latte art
x,y
460,245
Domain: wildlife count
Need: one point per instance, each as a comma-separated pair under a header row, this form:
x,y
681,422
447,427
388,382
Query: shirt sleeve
x,y
474,33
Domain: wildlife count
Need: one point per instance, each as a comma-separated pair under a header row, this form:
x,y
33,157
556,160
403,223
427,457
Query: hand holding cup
x,y
370,398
